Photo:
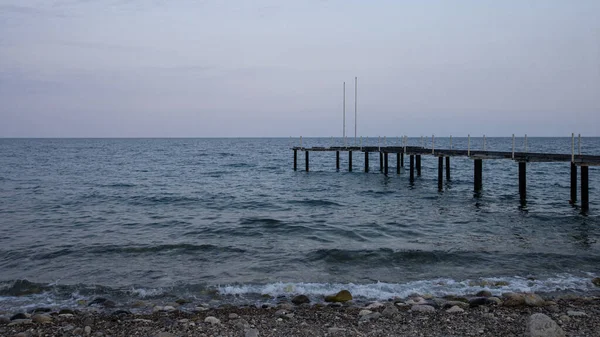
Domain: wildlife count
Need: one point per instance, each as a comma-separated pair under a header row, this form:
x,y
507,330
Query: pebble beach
x,y
511,314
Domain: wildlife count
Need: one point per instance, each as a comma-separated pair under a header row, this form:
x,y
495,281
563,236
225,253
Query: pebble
x,y
4,320
364,312
19,322
374,305
251,333
573,313
78,331
451,304
233,316
369,318
41,319
540,325
164,334
87,330
212,320
300,299
484,293
389,311
241,324
66,311
565,318
169,308
339,331
66,315
19,316
422,308
455,309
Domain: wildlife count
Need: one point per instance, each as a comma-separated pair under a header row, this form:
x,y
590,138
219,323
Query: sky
x,y
274,68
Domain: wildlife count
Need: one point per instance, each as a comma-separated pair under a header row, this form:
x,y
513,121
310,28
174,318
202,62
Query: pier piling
x,y
573,183
412,168
448,168
366,161
337,160
306,159
380,161
478,174
523,180
585,201
350,161
385,159
419,165
398,163
402,158
295,160
440,173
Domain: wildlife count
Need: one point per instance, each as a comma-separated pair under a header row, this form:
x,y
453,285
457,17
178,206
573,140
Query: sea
x,y
229,221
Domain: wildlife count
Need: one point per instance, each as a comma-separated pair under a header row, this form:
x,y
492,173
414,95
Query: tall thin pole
x,y
355,106
344,132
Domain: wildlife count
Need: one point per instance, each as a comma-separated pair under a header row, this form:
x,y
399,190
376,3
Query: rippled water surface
x,y
145,215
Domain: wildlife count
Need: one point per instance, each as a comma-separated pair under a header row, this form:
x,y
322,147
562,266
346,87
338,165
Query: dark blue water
x,y
153,218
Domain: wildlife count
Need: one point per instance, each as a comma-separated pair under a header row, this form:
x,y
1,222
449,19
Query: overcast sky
x,y
136,68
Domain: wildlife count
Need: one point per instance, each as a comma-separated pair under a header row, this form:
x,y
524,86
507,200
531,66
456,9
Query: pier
x,y
415,154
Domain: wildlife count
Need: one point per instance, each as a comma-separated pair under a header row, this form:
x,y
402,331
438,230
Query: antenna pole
x,y
344,133
355,99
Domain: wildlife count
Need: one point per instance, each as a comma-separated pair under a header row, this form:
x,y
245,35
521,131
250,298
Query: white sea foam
x,y
435,287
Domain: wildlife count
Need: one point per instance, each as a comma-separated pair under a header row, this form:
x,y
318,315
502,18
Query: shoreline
x,y
476,315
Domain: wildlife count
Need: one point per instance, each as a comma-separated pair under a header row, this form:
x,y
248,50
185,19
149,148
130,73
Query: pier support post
x,y
440,173
366,161
398,163
573,183
380,161
478,174
412,168
337,160
385,159
523,180
419,165
448,168
306,159
585,197
402,159
350,161
295,160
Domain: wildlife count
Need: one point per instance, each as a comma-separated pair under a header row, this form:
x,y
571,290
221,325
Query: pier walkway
x,y
415,152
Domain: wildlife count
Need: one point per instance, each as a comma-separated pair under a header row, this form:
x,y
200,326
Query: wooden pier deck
x,y
444,155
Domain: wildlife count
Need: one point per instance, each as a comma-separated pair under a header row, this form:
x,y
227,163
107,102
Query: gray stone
x,y
374,305
369,318
484,293
212,320
573,313
41,319
233,316
540,325
451,304
19,316
241,324
422,308
300,299
19,322
364,312
534,300
4,320
251,333
565,318
164,334
87,330
285,306
455,309
513,300
337,331
78,331
389,311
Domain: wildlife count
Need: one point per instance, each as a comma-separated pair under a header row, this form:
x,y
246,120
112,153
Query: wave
x,y
315,202
181,248
23,294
